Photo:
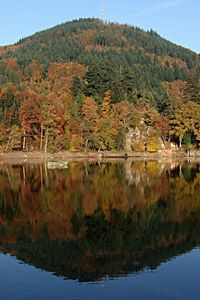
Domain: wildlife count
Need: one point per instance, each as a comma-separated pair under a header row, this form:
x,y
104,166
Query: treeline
x,y
54,114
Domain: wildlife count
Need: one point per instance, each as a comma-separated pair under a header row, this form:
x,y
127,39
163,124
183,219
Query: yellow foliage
x,y
153,145
138,146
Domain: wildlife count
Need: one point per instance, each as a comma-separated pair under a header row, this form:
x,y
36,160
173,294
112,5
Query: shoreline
x,y
23,157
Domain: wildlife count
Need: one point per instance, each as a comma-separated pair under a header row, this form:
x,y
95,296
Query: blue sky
x,y
176,20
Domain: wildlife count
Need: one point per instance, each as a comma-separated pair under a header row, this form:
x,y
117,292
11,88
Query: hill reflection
x,y
97,219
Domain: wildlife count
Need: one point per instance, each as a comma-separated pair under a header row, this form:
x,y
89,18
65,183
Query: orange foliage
x,y
10,62
60,76
171,60
175,91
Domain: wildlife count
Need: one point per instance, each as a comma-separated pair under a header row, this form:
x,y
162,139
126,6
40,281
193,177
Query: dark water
x,y
113,230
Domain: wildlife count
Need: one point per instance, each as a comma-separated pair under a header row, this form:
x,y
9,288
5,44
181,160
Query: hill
x,y
87,58
117,51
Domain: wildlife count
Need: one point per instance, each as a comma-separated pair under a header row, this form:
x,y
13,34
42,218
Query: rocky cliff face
x,y
140,140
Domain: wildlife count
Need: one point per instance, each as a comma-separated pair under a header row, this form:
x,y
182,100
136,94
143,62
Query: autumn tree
x,y
49,121
14,139
186,119
106,134
36,70
106,104
30,118
90,119
161,124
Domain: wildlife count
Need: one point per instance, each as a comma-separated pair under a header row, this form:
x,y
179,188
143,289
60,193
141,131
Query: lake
x,y
121,229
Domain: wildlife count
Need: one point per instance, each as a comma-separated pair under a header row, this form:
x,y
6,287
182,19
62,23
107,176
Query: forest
x,y
85,84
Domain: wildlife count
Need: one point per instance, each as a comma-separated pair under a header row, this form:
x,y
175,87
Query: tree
x,y
89,122
30,118
3,134
161,125
106,104
106,134
192,90
9,106
185,120
36,70
14,140
49,120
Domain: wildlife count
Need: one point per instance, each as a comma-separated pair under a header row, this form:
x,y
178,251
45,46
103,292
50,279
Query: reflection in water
x,y
91,220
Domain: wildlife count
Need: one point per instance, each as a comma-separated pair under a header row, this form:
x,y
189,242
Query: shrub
x,y
153,145
138,146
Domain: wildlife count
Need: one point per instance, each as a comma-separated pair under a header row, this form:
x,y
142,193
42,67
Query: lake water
x,y
100,230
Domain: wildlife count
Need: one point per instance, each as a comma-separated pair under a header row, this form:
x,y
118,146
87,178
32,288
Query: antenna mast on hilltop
x,y
102,12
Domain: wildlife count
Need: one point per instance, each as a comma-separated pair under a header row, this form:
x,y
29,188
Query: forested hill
x,y
88,57
118,56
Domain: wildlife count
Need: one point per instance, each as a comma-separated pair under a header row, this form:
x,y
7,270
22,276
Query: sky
x,y
175,20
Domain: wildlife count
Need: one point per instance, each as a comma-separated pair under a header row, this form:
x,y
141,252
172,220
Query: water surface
x,y
100,230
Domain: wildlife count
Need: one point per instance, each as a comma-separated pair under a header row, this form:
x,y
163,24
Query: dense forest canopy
x,y
60,88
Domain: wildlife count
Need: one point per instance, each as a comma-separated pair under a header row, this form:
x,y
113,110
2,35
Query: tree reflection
x,y
92,219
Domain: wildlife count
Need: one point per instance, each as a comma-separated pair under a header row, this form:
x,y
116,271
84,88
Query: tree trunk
x,y
24,141
86,144
41,138
180,141
46,141
8,144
